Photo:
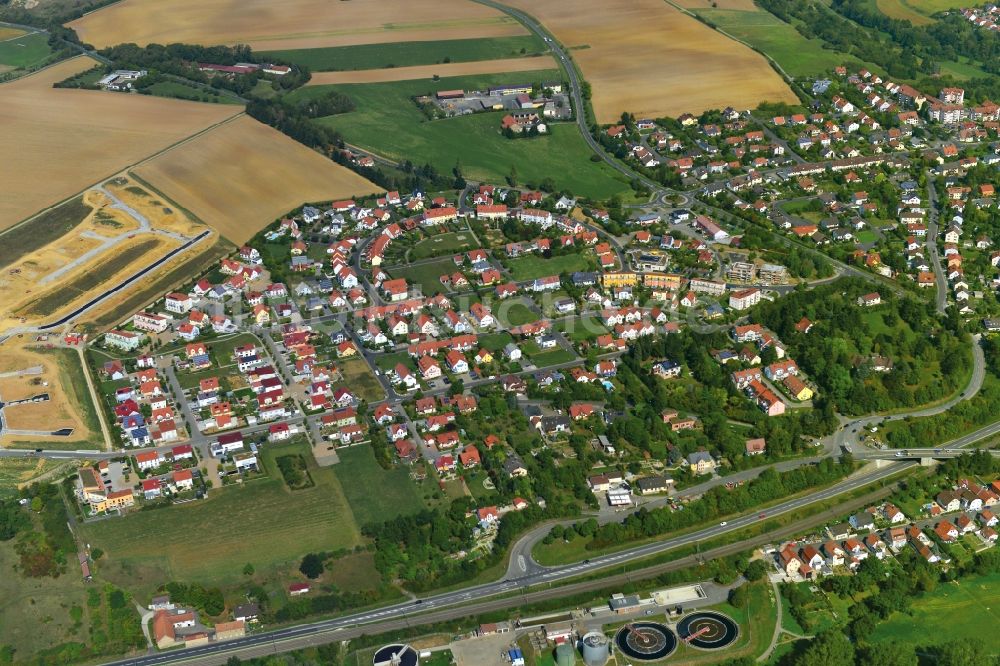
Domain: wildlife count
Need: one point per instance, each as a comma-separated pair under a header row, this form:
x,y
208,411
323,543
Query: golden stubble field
x,y
242,175
291,24
529,64
57,142
648,58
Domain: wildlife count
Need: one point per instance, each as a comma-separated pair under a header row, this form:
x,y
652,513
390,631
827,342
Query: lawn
x,y
867,236
515,313
428,275
388,122
532,266
441,244
386,362
27,51
374,494
554,357
209,541
221,351
495,342
765,32
398,54
581,329
967,604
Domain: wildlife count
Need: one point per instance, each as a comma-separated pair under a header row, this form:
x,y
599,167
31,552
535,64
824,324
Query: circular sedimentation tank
x,y
646,641
396,655
708,630
596,648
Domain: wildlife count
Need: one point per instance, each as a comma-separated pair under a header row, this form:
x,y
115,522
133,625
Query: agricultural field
x,y
429,71
69,404
61,136
618,44
226,177
377,56
294,24
21,51
148,548
764,31
475,140
919,12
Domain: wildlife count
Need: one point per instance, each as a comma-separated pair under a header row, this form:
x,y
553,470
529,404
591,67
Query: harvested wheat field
x,y
739,5
649,58
9,33
242,175
57,142
61,369
529,64
291,24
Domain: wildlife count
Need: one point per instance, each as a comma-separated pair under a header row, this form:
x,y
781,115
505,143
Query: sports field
x,y
969,604
648,58
919,12
429,71
240,176
374,56
292,24
387,122
56,141
150,547
24,50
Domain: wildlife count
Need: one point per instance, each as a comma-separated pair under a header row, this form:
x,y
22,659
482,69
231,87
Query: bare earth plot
x,y
240,176
291,24
648,58
429,71
125,229
57,142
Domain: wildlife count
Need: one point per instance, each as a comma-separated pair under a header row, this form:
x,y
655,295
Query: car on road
x,y
418,601
723,523
761,516
899,454
937,450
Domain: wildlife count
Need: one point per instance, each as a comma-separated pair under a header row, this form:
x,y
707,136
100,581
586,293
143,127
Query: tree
x,y
312,566
739,596
830,648
36,504
963,652
891,653
248,570
756,570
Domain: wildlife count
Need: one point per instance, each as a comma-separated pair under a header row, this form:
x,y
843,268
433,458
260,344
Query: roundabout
x,y
646,641
708,630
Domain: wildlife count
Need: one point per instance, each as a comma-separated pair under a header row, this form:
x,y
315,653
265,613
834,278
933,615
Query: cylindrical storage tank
x,y
565,655
596,649
396,655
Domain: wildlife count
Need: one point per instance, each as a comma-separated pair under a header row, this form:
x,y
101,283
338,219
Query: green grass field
x,y
26,51
405,54
766,32
15,471
428,276
495,342
359,379
964,607
531,266
580,329
210,540
47,227
441,244
374,494
516,314
177,90
35,612
554,357
919,12
387,122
